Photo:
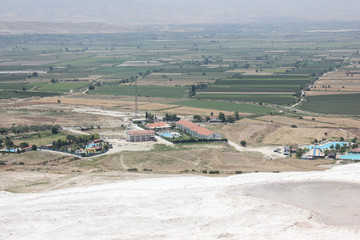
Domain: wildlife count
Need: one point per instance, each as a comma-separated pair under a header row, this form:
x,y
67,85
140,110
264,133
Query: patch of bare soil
x,y
249,132
295,136
250,72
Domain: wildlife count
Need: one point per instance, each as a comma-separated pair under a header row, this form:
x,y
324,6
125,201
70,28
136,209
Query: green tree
x,y
34,147
197,118
243,143
300,152
341,139
337,147
54,130
3,131
237,115
230,119
8,143
91,87
24,145
222,117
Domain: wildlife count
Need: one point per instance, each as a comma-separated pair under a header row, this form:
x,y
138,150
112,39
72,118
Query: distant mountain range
x,y
131,13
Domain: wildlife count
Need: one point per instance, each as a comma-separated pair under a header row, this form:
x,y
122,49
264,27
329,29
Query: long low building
x,y
196,130
140,135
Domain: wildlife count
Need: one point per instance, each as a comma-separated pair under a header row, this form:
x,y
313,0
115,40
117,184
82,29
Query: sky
x,y
178,11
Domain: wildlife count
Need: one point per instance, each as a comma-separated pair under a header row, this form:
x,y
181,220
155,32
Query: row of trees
x,y
35,128
171,117
222,117
9,144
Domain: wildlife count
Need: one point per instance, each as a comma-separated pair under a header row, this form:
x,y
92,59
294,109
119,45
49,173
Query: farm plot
x,y
343,81
16,86
25,94
255,88
61,87
283,99
225,106
144,91
333,104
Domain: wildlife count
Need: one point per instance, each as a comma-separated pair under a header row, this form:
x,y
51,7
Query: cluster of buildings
x,y
90,148
317,153
191,128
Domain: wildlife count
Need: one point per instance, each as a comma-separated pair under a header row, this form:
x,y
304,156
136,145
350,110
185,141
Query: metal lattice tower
x,y
136,100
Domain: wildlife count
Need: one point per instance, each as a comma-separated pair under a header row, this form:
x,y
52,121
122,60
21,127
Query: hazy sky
x,y
177,11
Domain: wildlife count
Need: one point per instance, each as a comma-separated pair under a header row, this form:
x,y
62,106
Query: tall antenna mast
x,y
136,100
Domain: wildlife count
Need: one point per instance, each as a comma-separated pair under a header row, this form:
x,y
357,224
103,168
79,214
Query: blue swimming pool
x,y
355,157
11,150
92,145
327,145
170,135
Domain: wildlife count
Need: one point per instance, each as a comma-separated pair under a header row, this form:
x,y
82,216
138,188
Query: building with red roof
x,y
355,150
140,135
196,130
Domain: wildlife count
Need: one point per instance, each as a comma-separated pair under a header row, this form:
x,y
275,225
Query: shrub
x,y
243,143
214,172
293,126
204,171
24,145
238,172
147,170
132,169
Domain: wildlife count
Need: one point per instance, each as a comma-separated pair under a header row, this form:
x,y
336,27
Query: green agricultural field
x,y
226,106
11,77
25,94
61,87
252,88
333,104
281,99
34,139
143,91
15,86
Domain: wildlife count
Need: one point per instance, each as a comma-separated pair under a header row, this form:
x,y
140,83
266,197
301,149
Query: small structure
x,y
214,119
355,151
158,125
140,135
314,153
331,155
27,149
196,131
46,146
